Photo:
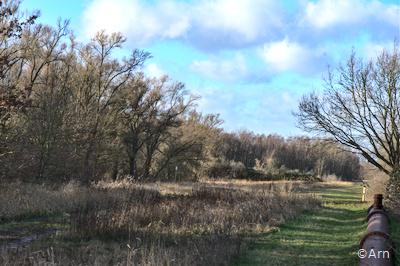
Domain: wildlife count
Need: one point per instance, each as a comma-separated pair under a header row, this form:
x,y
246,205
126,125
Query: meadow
x,y
125,223
104,162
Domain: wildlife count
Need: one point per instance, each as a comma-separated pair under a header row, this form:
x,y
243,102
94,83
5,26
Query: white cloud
x,y
241,21
372,50
155,71
247,19
264,111
219,24
285,55
327,13
227,70
139,22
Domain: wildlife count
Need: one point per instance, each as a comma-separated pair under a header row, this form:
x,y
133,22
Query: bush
x,y
229,169
224,169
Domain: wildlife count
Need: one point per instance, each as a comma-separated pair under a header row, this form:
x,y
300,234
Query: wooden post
x,y
378,201
363,193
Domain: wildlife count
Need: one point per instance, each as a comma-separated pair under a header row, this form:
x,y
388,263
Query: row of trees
x,y
73,110
299,153
70,109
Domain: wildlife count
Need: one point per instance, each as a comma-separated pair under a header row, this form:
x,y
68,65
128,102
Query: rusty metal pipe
x,y
377,243
378,222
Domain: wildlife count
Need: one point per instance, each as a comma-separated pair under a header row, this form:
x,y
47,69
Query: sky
x,y
249,60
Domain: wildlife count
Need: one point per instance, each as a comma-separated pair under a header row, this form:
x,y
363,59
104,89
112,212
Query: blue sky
x,y
249,60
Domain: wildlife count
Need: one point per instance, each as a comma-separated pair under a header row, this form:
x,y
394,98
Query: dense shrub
x,y
237,170
223,168
274,152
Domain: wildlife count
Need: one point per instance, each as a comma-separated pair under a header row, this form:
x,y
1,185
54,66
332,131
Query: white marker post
x,y
363,193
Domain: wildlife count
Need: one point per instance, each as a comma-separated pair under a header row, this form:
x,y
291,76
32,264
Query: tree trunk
x,y
87,173
393,191
114,174
147,166
132,166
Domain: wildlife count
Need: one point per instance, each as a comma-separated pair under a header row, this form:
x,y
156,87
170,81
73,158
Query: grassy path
x,y
327,236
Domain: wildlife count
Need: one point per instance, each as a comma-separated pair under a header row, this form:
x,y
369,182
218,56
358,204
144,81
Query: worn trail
x,y
17,235
327,236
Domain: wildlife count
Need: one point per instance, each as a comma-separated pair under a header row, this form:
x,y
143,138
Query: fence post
x,y
363,193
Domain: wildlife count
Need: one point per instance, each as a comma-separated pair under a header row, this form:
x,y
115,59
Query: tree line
x,y
75,110
273,152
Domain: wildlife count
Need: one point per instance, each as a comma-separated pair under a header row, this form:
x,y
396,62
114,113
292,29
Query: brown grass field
x,y
125,223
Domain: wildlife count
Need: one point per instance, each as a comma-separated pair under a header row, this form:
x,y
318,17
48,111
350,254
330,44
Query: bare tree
x,y
135,105
360,109
164,115
12,98
100,77
188,147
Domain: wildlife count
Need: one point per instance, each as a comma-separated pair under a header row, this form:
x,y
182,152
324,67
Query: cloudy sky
x,y
249,60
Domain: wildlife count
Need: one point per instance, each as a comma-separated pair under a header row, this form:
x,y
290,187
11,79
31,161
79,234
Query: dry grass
x,y
125,223
207,210
330,178
376,181
20,200
186,188
207,250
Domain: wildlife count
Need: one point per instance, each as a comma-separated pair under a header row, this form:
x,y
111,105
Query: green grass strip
x,y
326,236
